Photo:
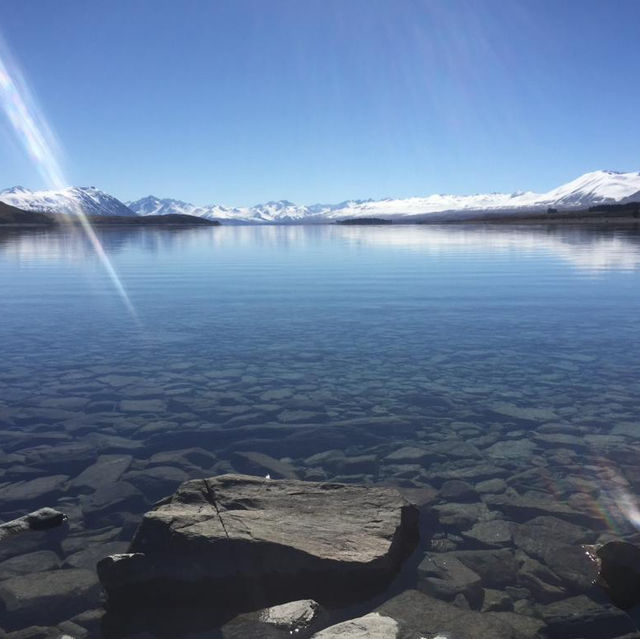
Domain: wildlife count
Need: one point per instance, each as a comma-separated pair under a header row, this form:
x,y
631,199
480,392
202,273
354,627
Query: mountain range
x,y
590,189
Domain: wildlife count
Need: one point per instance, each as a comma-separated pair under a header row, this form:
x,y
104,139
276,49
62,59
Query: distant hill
x,y
11,215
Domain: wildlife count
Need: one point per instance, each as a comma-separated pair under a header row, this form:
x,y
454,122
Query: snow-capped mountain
x,y
90,200
597,187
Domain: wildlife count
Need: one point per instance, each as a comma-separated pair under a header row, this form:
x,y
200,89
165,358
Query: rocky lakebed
x,y
320,439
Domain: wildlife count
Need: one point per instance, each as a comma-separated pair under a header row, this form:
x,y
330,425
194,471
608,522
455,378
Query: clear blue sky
x,y
241,101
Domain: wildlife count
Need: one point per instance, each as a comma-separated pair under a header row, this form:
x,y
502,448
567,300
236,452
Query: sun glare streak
x,y
39,142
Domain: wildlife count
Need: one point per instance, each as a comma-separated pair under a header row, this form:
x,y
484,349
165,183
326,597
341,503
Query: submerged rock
x,y
292,615
371,626
47,597
245,541
42,519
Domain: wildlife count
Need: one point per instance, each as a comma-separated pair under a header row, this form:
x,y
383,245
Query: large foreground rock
x,y
245,541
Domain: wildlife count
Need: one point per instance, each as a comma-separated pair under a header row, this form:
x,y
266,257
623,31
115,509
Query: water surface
x,y
499,352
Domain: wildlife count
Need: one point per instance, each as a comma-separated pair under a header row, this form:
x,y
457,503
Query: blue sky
x,y
240,101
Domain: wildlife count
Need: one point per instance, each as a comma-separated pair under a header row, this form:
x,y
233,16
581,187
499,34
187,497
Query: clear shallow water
x,y
500,353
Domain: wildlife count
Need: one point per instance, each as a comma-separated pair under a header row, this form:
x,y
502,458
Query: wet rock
x,y
89,557
461,516
512,449
33,491
185,458
121,496
248,538
444,576
107,469
68,458
72,630
458,491
491,486
581,617
455,449
35,632
29,563
524,627
143,405
371,626
537,536
540,581
419,615
292,615
498,568
521,507
496,601
526,413
576,566
42,519
620,572
494,534
253,463
47,597
156,482
408,455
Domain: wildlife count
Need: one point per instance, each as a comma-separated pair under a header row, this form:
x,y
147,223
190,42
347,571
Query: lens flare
x,y
38,140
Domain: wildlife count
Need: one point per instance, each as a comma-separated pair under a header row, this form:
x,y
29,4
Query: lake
x,y
504,357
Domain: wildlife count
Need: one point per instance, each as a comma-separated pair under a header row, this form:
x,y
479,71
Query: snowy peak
x,y
89,200
596,187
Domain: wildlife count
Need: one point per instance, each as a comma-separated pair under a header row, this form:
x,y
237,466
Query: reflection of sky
x,y
587,250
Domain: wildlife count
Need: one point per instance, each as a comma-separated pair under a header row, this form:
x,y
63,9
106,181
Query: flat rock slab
x,y
242,541
47,597
371,626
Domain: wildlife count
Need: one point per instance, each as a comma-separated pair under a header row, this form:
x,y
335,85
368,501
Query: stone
x,y
575,565
497,568
42,519
371,626
537,536
292,615
184,458
253,463
496,601
458,491
444,576
491,486
143,406
619,573
461,516
29,563
73,630
107,469
110,497
582,617
243,535
93,553
524,626
494,533
540,581
156,482
408,455
33,491
512,449
419,615
47,597
522,508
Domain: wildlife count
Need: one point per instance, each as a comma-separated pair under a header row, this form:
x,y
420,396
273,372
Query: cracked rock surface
x,y
253,540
